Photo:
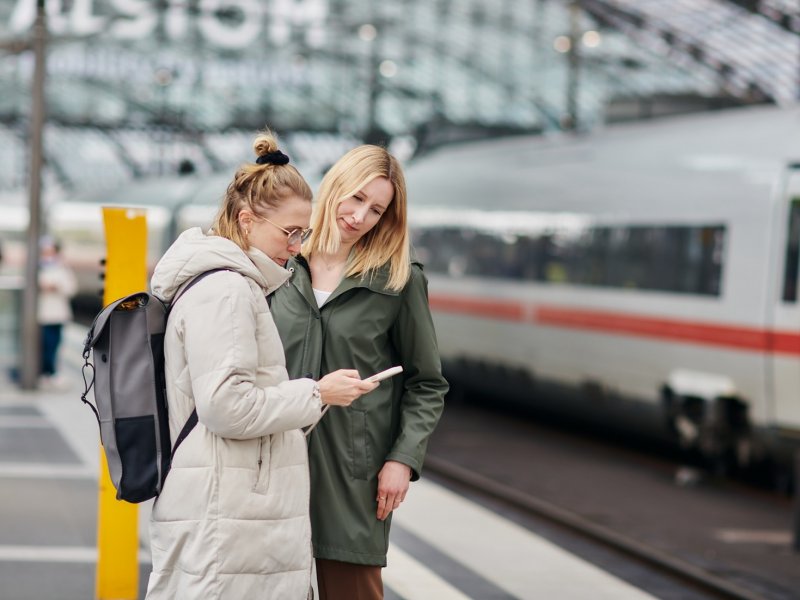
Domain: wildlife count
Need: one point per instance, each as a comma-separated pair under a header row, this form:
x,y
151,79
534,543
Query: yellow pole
x,y
117,576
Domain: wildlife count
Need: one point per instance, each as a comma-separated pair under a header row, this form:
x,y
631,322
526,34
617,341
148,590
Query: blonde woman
x,y
355,298
232,519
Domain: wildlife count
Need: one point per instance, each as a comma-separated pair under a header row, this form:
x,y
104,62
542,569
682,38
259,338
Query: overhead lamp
x,y
562,44
591,39
388,68
367,32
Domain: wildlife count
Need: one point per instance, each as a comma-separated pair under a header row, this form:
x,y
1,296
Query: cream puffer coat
x,y
232,520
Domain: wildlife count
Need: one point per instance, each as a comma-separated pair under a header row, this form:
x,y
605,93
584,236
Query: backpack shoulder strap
x,y
192,420
193,281
187,429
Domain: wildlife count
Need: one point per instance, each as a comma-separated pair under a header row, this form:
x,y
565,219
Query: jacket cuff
x,y
414,465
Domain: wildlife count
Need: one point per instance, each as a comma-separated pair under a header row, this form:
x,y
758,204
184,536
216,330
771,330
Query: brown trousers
x,y
345,581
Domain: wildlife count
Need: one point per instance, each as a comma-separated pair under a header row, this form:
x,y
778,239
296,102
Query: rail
x,y
642,552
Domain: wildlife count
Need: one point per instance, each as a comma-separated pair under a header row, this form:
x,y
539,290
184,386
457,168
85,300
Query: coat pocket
x,y
263,465
359,450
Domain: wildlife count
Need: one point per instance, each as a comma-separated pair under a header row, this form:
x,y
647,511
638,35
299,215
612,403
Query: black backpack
x,y
130,395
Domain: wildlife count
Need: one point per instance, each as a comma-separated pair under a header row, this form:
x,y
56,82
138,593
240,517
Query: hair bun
x,y
265,143
273,158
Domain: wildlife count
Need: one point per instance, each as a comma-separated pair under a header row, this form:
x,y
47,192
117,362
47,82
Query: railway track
x,y
691,575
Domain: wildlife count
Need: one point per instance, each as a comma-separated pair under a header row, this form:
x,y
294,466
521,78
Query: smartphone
x,y
384,374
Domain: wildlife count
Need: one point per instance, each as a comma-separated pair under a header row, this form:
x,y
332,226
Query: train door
x,y
785,338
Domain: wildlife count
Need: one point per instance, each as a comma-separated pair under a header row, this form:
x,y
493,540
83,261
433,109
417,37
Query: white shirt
x,y
322,297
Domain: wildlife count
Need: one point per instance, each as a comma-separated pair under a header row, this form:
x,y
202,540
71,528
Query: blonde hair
x,y
387,242
258,188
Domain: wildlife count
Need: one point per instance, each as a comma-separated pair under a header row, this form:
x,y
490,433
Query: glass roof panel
x,y
154,84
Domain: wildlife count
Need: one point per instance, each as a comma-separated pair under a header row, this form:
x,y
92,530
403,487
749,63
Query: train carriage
x,y
643,276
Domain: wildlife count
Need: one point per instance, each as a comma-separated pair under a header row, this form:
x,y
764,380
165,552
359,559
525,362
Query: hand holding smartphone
x,y
373,379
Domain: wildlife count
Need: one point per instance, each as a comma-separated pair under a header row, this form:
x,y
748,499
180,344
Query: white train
x,y
648,274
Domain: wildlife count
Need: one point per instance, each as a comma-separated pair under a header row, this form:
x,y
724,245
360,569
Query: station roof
x,y
135,88
325,65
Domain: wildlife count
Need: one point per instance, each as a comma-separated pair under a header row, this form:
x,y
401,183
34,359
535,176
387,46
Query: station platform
x,y
444,546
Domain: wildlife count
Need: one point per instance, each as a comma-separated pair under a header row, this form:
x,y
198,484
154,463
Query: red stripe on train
x,y
730,336
508,311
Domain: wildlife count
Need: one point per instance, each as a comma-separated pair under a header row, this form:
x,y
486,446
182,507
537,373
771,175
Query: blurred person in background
x,y
232,520
57,285
356,298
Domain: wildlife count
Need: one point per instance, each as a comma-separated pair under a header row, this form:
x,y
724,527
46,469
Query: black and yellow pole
x,y
117,522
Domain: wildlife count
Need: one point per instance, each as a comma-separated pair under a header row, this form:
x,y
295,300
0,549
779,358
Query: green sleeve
x,y
414,339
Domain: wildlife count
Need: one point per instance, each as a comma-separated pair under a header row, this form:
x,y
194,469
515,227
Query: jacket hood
x,y
376,280
194,252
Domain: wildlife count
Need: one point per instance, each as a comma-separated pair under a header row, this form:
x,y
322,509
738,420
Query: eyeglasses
x,y
294,236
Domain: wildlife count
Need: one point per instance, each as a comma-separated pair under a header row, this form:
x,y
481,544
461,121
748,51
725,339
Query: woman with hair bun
x,y
356,298
232,520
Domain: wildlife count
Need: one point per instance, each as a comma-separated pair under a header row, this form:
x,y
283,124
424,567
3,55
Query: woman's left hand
x,y
393,481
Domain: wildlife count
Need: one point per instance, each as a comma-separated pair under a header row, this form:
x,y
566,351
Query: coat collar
x,y
301,279
196,252
274,275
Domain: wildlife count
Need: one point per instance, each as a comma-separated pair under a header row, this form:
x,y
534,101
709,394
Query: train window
x,y
792,261
679,259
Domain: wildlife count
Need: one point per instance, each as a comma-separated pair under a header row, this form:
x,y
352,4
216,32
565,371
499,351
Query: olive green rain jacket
x,y
367,327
